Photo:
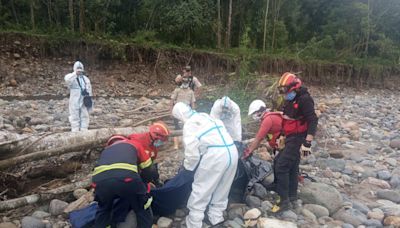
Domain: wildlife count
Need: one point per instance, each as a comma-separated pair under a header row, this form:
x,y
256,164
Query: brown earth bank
x,y
128,69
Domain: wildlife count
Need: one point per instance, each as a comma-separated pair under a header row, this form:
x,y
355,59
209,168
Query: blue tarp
x,y
166,199
173,194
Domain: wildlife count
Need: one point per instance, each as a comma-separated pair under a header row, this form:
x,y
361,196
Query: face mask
x,y
158,143
290,96
257,116
184,85
225,115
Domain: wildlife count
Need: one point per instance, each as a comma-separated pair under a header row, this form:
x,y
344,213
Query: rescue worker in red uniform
x,y
121,173
270,128
299,126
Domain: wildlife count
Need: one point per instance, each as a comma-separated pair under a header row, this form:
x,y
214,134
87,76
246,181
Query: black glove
x,y
305,149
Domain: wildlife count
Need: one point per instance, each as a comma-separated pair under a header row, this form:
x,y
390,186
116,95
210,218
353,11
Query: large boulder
x,y
321,194
351,216
317,210
57,207
274,223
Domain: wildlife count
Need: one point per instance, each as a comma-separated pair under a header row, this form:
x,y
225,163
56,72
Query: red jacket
x,y
271,125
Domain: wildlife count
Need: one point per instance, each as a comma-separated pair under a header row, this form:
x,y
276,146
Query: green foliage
x,y
327,30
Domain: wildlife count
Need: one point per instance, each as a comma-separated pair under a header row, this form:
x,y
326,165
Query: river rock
x,y
321,194
360,206
79,192
253,201
392,221
395,181
389,208
317,210
384,175
251,216
391,195
259,190
40,214
164,222
57,207
351,216
274,223
336,165
376,214
308,214
373,223
32,222
7,225
289,215
347,225
236,210
391,161
379,183
395,143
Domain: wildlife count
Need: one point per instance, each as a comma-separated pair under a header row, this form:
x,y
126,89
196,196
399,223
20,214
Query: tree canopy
x,y
331,30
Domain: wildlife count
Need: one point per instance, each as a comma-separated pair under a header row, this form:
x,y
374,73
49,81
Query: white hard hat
x,y
255,106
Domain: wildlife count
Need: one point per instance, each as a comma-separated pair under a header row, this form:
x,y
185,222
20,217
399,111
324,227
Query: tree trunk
x,y
368,31
49,12
32,6
71,14
276,15
81,16
265,26
228,31
219,24
14,12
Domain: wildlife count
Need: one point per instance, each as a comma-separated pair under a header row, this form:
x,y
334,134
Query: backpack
x,y
87,99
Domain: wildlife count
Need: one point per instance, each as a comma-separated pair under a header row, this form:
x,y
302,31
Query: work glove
x,y
246,153
305,149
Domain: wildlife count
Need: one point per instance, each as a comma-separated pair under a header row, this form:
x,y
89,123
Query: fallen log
x,y
35,143
11,162
46,195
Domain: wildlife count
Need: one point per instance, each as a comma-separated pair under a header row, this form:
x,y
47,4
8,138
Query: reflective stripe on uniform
x,y
148,203
218,146
145,164
126,166
204,133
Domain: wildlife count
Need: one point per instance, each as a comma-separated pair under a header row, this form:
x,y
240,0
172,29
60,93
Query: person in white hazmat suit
x,y
211,153
228,112
78,112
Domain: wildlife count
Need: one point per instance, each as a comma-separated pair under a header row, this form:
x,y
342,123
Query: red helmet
x,y
159,130
288,83
114,139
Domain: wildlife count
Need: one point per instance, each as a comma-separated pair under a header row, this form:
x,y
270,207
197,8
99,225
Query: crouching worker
x,y
121,173
270,128
211,153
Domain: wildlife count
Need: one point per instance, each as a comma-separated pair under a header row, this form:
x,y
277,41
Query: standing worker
x,y
121,173
228,112
211,153
194,83
79,86
299,126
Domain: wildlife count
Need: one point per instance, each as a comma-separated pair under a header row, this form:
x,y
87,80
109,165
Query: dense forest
x,y
348,31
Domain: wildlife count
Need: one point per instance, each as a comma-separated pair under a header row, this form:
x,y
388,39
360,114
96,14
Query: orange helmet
x,y
288,83
159,130
114,139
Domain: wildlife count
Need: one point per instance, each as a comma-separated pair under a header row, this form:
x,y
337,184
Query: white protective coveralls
x,y
228,111
210,148
78,113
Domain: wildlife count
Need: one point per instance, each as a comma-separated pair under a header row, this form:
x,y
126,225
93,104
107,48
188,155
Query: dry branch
x,y
47,195
7,163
